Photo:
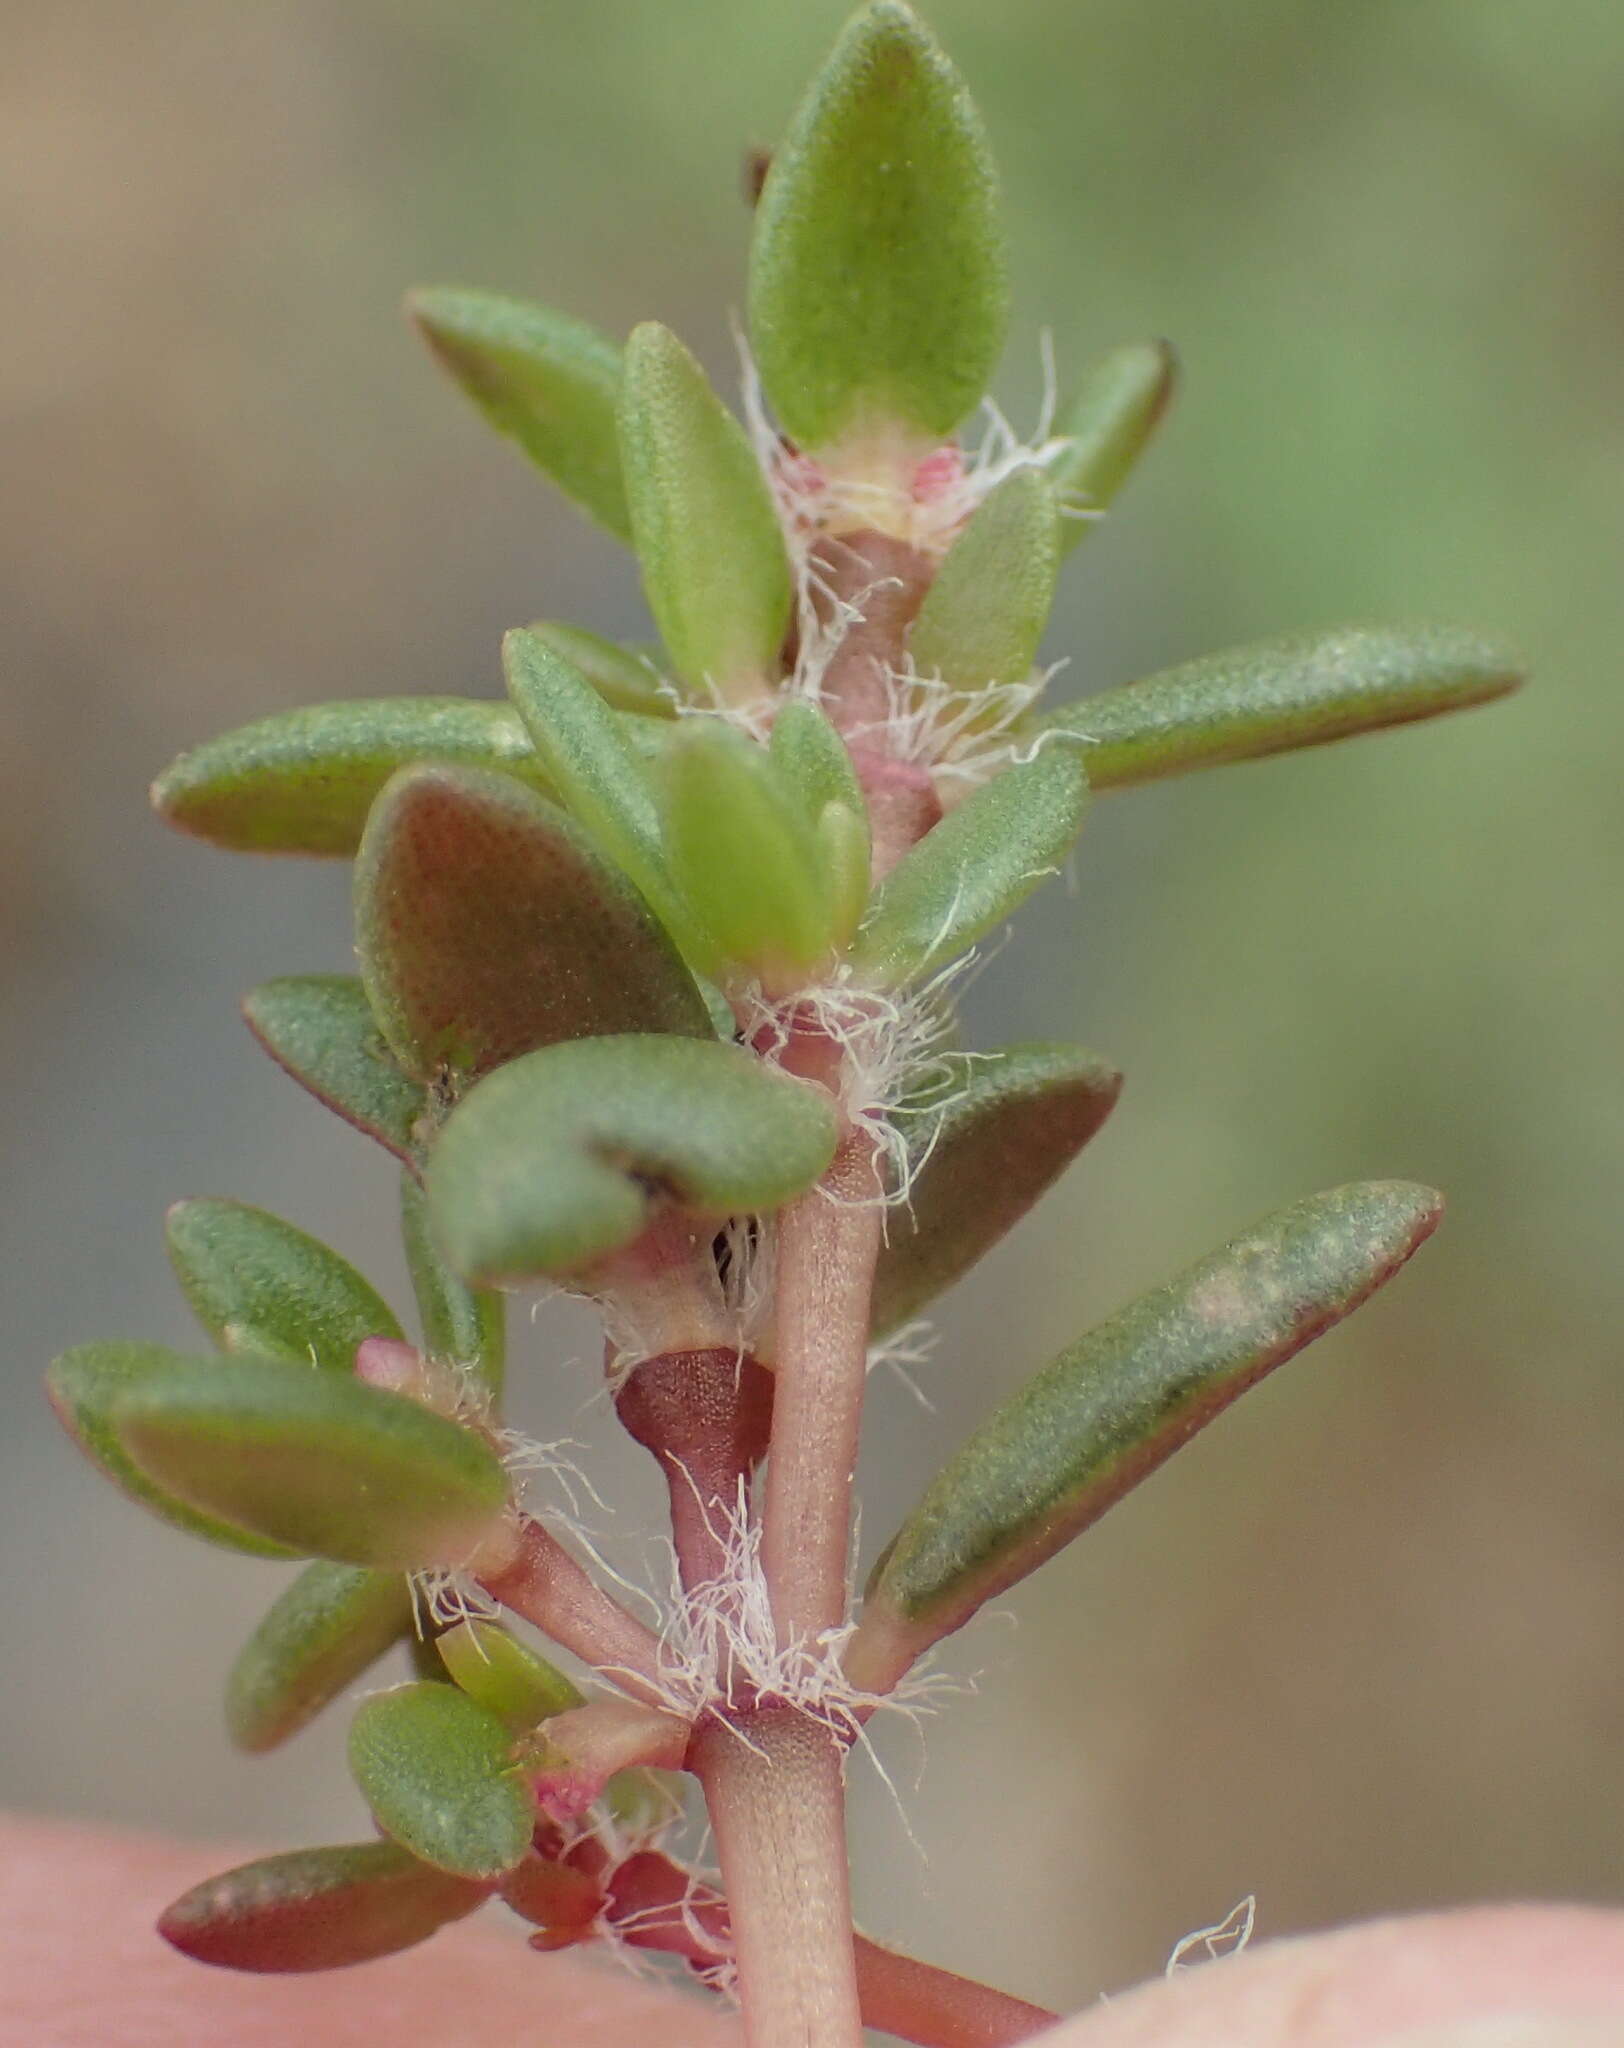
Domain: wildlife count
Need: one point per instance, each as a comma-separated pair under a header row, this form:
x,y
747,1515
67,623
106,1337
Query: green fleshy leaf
x,y
330,1624
303,781
992,1131
974,869
1299,691
708,540
983,616
601,778
558,1159
320,1029
811,760
492,1666
462,1325
1110,1409
317,1909
257,1284
877,289
548,382
84,1386
846,854
626,678
1109,423
488,925
744,855
437,1770
327,1467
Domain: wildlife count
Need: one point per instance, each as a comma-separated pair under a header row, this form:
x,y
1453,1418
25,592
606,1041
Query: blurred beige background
x,y
1359,1648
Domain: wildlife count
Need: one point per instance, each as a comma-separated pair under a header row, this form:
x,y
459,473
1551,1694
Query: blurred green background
x,y
1356,1650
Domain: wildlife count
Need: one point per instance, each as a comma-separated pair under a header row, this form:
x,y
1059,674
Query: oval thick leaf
x,y
560,1158
84,1385
437,1770
744,855
258,1284
547,381
877,285
974,869
462,1325
320,1029
626,678
326,1466
1107,426
1110,1409
506,1676
303,781
812,760
1299,691
601,778
992,1132
317,1909
984,614
488,925
329,1626
708,539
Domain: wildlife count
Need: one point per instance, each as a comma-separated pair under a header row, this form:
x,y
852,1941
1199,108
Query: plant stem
x,y
828,1242
918,2002
705,1416
775,1788
773,1775
555,1593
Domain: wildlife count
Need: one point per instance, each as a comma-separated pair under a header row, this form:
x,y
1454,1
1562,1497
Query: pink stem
x,y
555,1593
828,1242
584,1747
665,1908
774,1787
705,1415
901,1995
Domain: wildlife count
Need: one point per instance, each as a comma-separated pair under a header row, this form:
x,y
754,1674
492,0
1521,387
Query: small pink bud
x,y
392,1366
941,471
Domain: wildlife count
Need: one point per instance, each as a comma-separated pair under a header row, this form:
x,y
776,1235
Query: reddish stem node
x,y
705,1416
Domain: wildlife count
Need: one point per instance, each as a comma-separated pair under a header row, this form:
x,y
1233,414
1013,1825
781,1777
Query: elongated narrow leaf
x,y
320,1029
708,540
85,1385
488,925
547,381
325,1466
745,856
559,1159
258,1284
1107,1412
492,1666
983,616
624,677
317,1909
303,781
462,1325
1299,691
877,286
437,1770
601,778
974,869
325,1630
1108,424
990,1132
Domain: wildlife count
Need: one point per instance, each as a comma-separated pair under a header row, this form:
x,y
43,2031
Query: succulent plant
x,y
656,1005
